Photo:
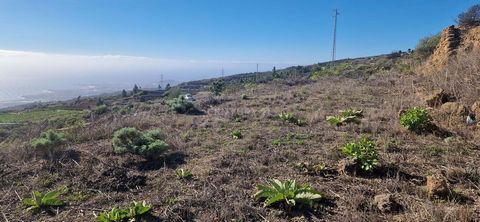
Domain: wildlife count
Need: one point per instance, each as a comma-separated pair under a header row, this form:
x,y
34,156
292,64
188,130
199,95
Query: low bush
x,y
426,47
180,104
288,193
346,116
415,119
217,87
471,17
39,200
130,140
48,143
134,212
101,109
363,153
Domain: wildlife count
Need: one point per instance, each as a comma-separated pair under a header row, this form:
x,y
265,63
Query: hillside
x,y
263,126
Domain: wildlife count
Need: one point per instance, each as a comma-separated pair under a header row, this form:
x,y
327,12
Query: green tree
x,y
217,87
124,93
135,89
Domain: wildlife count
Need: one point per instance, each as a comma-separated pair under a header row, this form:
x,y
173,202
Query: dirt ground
x,y
226,170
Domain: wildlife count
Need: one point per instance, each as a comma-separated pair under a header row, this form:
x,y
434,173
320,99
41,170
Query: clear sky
x,y
188,39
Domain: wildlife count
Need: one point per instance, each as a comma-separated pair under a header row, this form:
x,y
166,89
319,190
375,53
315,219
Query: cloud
x,y
25,64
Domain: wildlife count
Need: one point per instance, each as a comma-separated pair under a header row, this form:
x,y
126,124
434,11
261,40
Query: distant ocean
x,y
21,93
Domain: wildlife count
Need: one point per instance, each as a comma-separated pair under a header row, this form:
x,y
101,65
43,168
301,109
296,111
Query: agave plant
x,y
287,192
40,200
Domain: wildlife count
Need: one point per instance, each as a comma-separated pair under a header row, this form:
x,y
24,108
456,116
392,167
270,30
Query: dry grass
x,y
226,171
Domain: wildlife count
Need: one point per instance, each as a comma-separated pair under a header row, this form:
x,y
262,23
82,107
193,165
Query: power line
x,y
334,51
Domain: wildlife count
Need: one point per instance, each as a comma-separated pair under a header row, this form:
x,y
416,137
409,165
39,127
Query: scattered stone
x,y
476,108
454,108
437,97
471,119
437,186
386,203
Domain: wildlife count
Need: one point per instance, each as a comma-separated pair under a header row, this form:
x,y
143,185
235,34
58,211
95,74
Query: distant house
x,y
150,94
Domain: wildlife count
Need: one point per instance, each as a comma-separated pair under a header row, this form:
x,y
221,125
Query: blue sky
x,y
275,31
136,40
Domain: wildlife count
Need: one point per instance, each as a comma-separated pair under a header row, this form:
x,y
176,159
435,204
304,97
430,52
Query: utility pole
x,y
334,51
257,67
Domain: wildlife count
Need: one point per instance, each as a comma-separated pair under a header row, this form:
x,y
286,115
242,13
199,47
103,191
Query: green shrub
x,y
217,87
346,116
180,104
101,109
150,144
364,153
135,211
40,200
287,192
290,118
415,119
426,46
48,143
244,97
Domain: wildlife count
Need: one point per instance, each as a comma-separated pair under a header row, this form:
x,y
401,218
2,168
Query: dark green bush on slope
x,y
415,119
180,104
130,140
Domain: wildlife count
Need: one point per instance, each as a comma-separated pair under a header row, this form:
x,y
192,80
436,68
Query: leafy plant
x,y
134,211
48,143
138,209
346,116
217,87
364,153
39,200
287,192
290,118
244,97
236,134
180,104
149,144
183,173
415,119
101,109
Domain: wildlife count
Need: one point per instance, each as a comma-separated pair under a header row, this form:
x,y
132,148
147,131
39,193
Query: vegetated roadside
x,y
205,164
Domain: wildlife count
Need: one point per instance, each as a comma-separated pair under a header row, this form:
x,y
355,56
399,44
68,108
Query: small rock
x,y
476,108
344,166
437,186
386,203
455,108
436,98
